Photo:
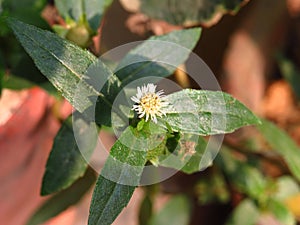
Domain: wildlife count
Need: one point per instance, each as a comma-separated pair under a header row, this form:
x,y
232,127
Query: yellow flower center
x,y
151,103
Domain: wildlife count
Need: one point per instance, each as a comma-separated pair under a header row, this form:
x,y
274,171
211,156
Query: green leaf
x,y
187,154
62,200
177,211
29,11
119,177
204,112
65,65
290,73
281,143
66,163
245,213
281,213
145,212
1,81
16,83
212,189
158,56
287,187
2,71
189,12
93,10
245,178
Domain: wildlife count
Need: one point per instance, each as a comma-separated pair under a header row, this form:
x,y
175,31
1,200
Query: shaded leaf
x,y
177,211
1,82
212,189
281,143
190,12
28,11
206,112
118,178
245,213
16,83
245,178
93,10
158,56
62,200
2,70
66,163
145,212
291,74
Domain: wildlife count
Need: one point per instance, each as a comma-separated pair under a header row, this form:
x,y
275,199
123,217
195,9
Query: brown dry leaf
x,y
293,7
279,105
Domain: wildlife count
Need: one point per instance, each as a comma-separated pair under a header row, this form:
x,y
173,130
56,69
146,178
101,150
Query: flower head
x,y
149,103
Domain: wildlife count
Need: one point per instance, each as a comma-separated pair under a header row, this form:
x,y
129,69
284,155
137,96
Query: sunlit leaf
x,y
65,65
206,112
286,187
119,177
281,212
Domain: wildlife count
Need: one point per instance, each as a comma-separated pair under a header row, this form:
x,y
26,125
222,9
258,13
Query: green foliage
x,y
66,162
117,180
189,12
280,212
176,212
2,71
245,213
159,56
247,179
15,59
212,189
63,63
287,187
145,212
206,112
187,154
62,200
91,10
291,73
91,87
83,19
282,144
28,11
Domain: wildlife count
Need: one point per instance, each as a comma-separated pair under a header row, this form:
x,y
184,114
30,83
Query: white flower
x,y
149,103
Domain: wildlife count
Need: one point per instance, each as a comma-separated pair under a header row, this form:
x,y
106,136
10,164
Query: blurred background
x,y
252,47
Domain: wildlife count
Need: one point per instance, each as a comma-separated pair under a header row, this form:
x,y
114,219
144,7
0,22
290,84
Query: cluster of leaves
x,y
13,58
67,67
